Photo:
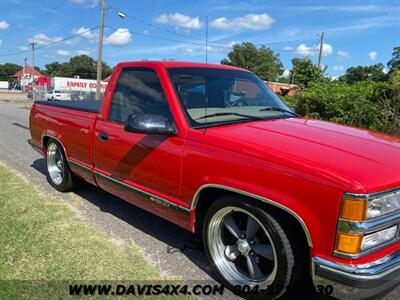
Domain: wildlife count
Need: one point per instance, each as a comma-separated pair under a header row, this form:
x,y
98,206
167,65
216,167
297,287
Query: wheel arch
x,y
206,194
46,138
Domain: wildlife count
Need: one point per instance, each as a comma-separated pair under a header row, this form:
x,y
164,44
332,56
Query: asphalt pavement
x,y
171,249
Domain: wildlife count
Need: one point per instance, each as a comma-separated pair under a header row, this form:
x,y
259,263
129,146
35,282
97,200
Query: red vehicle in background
x,y
279,200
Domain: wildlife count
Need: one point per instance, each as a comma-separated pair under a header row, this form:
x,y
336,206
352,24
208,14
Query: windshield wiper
x,y
271,108
230,114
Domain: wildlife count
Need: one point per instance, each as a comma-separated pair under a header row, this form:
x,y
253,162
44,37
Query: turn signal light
x,y
354,209
348,243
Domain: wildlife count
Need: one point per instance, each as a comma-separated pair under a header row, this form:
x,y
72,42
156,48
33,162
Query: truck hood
x,y
360,160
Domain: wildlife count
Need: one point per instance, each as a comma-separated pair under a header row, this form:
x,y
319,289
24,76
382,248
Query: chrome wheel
x,y
55,163
241,248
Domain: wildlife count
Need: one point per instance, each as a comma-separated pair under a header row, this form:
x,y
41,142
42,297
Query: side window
x,y
138,91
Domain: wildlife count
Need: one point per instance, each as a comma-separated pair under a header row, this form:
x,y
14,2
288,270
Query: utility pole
x,y
100,52
33,54
23,75
321,46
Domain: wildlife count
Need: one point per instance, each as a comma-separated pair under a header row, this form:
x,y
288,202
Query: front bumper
x,y
352,282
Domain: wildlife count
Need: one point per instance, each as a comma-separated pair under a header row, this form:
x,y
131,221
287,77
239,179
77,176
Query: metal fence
x,y
40,93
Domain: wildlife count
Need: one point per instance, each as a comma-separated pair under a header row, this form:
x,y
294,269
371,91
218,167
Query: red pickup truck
x,y
277,198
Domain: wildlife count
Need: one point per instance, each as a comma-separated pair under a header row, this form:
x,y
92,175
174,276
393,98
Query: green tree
x,y
364,73
82,65
262,61
51,69
304,72
394,63
395,81
8,69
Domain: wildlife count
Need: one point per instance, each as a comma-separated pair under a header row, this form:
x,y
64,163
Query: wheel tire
x,y
287,262
59,174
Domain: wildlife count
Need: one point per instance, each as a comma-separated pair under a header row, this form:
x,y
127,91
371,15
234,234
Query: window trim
x,y
116,85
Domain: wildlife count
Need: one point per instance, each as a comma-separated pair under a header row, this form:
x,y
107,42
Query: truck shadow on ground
x,y
176,238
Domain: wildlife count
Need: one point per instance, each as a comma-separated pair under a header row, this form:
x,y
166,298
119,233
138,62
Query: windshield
x,y
229,95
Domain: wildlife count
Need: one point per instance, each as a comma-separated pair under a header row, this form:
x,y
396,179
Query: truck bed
x,y
81,105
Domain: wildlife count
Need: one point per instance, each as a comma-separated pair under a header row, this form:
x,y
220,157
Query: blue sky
x,y
357,32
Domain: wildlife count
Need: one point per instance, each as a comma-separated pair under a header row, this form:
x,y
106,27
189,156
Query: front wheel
x,y
58,172
249,249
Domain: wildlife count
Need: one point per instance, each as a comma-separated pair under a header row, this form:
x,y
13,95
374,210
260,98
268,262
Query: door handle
x,y
103,136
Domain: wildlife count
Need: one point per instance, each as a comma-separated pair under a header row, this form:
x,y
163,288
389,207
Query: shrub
x,y
367,104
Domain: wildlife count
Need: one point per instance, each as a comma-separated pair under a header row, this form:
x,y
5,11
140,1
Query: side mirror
x,y
150,124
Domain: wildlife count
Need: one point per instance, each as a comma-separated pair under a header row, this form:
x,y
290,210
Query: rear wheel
x,y
249,249
59,174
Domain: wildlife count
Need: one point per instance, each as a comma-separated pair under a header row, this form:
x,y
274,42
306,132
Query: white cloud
x,y
288,48
305,50
346,8
4,25
42,39
342,55
372,55
339,68
327,49
80,2
250,21
88,3
82,52
23,48
179,20
187,50
220,48
84,32
73,41
286,73
62,52
120,37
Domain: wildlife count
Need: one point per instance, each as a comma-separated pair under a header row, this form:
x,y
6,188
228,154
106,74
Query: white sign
x,y
3,84
76,84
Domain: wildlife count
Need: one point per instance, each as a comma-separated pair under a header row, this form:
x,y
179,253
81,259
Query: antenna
x,y
206,41
205,78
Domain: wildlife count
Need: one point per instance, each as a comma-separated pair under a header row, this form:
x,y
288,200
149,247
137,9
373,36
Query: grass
x,y
42,241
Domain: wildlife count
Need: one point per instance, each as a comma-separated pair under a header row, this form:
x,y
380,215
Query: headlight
x,y
356,208
377,238
383,205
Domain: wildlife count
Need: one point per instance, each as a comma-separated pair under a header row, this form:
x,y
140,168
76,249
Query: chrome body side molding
x,y
263,199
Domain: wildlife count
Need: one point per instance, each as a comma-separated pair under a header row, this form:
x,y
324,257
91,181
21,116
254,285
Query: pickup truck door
x,y
144,169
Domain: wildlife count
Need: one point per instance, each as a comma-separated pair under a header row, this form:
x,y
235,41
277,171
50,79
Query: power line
x,y
51,43
40,17
158,37
155,26
309,37
204,44
216,45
